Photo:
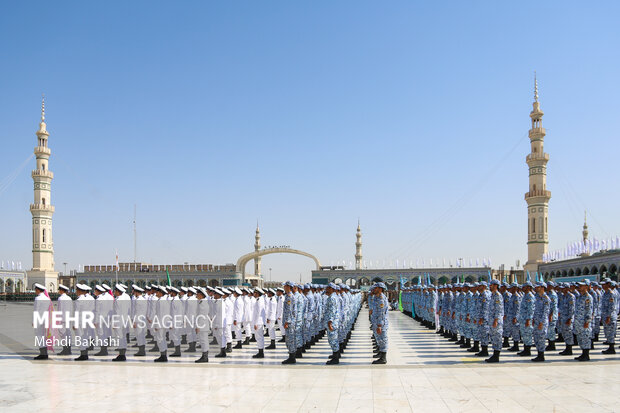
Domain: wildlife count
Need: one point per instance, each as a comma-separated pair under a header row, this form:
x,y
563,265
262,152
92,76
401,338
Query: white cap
x,y
176,290
136,288
120,287
39,286
192,290
124,286
260,290
100,288
63,287
106,286
238,291
83,287
184,289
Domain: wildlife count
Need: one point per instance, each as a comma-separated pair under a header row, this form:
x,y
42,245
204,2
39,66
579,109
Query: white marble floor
x,y
424,373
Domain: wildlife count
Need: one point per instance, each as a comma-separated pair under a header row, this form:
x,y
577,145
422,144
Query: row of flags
x,y
11,265
419,263
575,249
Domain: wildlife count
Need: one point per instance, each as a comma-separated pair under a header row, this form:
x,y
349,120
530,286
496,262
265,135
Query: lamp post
x,y
269,274
65,273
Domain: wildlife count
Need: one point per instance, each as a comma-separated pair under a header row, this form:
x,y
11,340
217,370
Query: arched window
x,y
533,225
43,201
43,238
43,166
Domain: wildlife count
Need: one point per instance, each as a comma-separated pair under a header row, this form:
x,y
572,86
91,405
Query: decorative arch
x,y
443,280
364,281
578,272
244,259
337,280
586,271
571,273
377,280
214,282
351,282
594,270
9,286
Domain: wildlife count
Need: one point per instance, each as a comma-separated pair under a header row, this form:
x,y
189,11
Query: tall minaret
x,y
537,197
584,233
42,211
358,247
257,248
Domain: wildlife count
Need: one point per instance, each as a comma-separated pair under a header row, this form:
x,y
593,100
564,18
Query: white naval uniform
x,y
238,316
177,312
271,309
138,315
162,313
122,308
203,322
229,307
65,306
191,311
41,306
104,309
279,310
258,322
151,299
248,304
218,316
84,303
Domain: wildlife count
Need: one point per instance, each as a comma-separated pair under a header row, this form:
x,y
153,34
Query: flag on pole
x,y
117,266
528,276
168,275
489,277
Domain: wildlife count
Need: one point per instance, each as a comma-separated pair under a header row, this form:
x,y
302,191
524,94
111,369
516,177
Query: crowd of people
x,y
538,315
171,317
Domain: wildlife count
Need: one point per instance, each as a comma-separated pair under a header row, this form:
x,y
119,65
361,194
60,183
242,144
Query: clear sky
x,y
409,115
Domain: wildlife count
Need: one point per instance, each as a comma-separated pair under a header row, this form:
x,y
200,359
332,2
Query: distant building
x,y
12,281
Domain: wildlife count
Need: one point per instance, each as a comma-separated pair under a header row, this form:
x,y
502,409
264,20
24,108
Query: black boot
x,y
214,341
298,353
494,358
505,344
229,347
204,358
568,351
163,358
560,338
551,346
282,340
102,352
253,339
238,345
592,344
540,357
467,343
192,347
259,355
222,353
610,350
42,354
333,359
83,355
271,346
381,359
585,356
290,359
460,341
121,355
440,330
184,339
66,351
155,348
171,344
484,352
247,341
475,348
140,352
515,346
526,351
177,351
335,354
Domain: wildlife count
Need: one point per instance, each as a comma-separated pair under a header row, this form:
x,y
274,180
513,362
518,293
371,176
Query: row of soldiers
x,y
537,315
332,309
190,315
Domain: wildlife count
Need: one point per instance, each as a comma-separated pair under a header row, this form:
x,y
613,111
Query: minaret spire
x,y
538,196
257,260
585,227
358,247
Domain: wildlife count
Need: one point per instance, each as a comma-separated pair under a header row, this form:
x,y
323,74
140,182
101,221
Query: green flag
x,y
168,274
400,301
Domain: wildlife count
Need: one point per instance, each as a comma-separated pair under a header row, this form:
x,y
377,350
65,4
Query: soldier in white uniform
x,y
41,306
162,313
271,311
248,305
138,316
183,298
84,303
104,309
203,323
258,322
218,315
280,298
65,306
176,312
238,315
191,305
122,309
229,307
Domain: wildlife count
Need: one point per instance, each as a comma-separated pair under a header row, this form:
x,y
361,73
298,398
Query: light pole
x,y
269,274
65,264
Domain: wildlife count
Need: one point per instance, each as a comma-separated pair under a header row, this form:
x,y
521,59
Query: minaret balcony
x,y
538,193
41,208
42,150
537,157
42,174
537,132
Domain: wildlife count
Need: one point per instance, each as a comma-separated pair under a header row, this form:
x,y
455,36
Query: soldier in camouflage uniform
x,y
526,313
540,320
583,320
496,321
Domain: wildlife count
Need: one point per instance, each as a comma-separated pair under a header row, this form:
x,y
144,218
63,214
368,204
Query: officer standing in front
x,y
380,322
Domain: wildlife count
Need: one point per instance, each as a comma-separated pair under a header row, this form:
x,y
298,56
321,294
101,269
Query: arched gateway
x,y
241,262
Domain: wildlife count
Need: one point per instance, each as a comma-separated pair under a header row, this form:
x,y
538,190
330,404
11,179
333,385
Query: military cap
x,y
184,289
541,284
63,287
382,285
528,284
136,288
83,287
100,288
106,286
494,282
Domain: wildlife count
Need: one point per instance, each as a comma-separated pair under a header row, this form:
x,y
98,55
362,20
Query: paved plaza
x,y
424,373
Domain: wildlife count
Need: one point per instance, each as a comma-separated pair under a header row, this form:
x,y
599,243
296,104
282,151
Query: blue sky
x,y
411,116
